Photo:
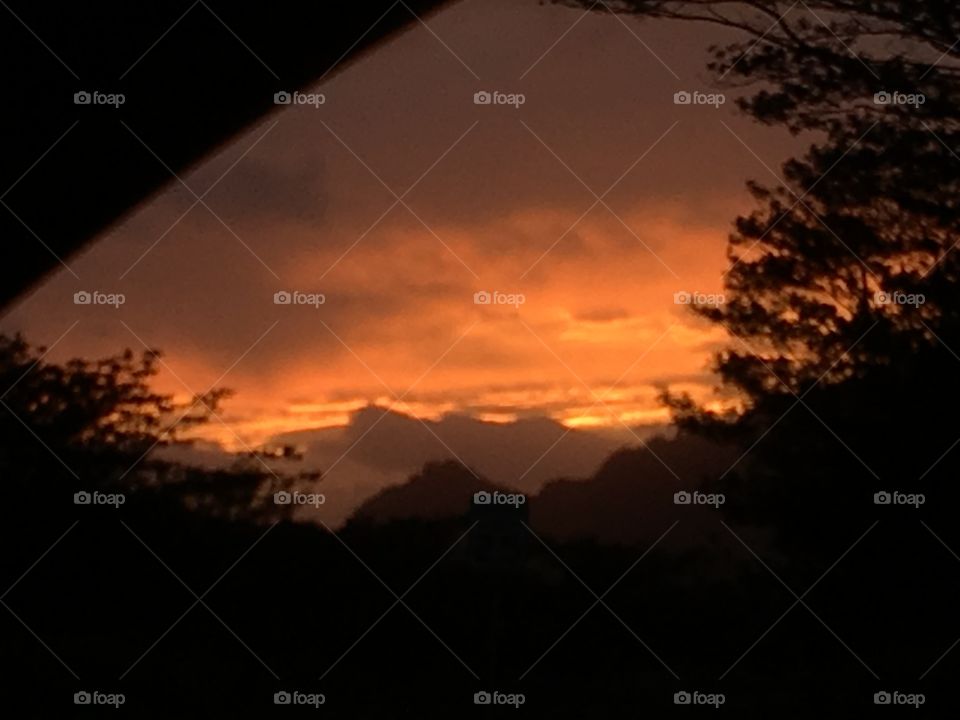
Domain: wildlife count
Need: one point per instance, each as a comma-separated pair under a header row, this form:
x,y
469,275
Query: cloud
x,y
296,209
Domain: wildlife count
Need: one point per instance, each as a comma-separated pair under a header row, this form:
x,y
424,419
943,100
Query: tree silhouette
x,y
842,285
82,425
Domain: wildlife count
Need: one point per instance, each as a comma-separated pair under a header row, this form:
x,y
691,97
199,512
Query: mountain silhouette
x,y
442,490
632,494
628,501
523,455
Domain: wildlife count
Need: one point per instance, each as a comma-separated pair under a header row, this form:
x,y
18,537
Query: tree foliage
x,y
840,384
84,425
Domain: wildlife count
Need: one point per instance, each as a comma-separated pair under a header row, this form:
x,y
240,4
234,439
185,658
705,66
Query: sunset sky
x,y
502,201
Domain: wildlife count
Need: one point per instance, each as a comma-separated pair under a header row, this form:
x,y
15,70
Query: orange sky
x,y
301,202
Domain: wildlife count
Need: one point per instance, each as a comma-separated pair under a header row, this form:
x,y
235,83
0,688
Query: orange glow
x,y
598,335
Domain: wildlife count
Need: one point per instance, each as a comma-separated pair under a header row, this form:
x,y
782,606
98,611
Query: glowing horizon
x,y
306,202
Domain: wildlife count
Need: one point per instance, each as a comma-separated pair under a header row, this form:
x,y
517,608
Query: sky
x,y
588,207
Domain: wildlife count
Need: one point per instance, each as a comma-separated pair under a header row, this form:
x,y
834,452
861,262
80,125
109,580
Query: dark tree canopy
x,y
84,425
840,385
871,208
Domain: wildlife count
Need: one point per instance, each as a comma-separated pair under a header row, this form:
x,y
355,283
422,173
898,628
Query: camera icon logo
x,y
682,298
482,98
482,498
482,298
882,498
682,98
82,98
82,698
482,698
82,298
882,698
282,698
82,498
282,498
282,298
282,98
682,698
682,497
882,98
